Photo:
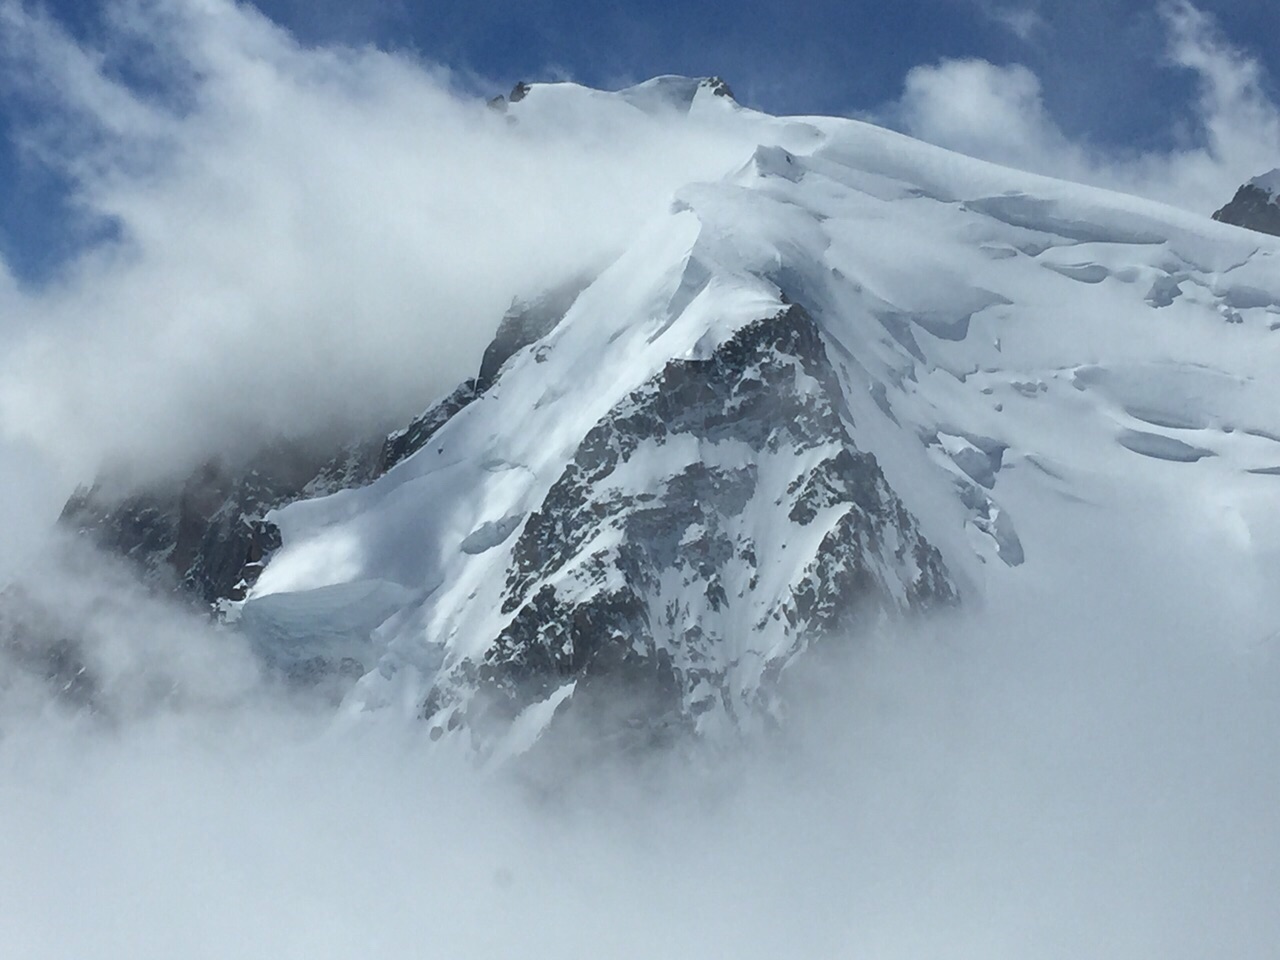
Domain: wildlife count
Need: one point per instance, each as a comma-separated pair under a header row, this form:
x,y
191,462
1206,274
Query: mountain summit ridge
x,y
854,380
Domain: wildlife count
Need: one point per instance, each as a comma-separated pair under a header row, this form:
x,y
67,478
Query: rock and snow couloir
x,y
856,378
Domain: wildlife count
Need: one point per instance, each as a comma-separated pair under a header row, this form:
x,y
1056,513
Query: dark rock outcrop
x,y
526,323
1253,207
207,537
718,87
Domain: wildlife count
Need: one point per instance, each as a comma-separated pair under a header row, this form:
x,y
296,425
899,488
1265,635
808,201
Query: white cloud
x,y
310,239
1022,20
997,113
323,239
1048,777
981,109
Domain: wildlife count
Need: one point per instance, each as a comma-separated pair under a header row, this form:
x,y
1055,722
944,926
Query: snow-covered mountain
x,y
856,378
1256,205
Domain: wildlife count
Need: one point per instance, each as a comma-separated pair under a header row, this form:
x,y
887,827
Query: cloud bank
x,y
304,239
1080,772
996,112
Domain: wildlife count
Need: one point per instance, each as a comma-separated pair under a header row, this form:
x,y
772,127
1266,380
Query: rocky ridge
x,y
1255,206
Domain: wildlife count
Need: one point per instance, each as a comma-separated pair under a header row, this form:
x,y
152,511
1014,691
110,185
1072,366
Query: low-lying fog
x,y
1087,772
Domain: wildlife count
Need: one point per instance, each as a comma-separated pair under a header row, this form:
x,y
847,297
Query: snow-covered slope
x,y
1268,183
856,377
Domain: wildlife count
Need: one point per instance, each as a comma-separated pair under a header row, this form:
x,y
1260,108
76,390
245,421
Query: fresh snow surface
x,y
1268,183
1029,360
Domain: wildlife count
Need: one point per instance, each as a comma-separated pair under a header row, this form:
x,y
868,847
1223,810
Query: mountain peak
x,y
838,379
668,92
1256,205
674,93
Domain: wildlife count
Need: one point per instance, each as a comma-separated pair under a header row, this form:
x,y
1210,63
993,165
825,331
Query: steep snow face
x,y
1268,183
854,377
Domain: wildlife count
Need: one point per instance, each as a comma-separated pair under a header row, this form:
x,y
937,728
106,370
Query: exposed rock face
x,y
406,442
718,87
1255,206
207,536
638,513
523,324
654,549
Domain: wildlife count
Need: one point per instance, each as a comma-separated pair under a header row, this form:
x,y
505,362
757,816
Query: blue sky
x,y
1101,61
818,56
1105,78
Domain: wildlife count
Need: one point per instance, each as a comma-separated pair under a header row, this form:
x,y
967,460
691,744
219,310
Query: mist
x,y
1086,765
942,803
292,241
